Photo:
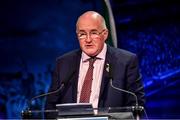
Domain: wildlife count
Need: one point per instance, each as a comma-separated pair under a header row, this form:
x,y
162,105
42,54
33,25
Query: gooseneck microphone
x,y
46,94
122,90
25,114
63,84
135,108
110,70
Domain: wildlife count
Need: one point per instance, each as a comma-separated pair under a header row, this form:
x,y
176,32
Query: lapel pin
x,y
107,67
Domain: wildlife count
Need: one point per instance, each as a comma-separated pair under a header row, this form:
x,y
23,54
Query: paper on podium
x,y
72,109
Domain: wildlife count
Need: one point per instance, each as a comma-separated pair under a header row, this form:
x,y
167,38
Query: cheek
x,y
100,44
81,43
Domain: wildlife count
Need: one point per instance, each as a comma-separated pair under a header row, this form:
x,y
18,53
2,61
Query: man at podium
x,y
96,73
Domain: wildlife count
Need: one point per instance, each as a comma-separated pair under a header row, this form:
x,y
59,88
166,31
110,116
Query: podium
x,y
81,112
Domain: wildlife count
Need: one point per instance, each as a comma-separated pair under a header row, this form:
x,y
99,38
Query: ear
x,y
105,34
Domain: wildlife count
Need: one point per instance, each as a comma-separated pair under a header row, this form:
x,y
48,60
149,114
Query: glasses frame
x,y
89,34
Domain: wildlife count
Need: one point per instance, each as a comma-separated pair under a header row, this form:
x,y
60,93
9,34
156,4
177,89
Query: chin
x,y
90,52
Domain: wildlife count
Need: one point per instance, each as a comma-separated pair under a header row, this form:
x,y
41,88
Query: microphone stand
x,y
136,109
26,114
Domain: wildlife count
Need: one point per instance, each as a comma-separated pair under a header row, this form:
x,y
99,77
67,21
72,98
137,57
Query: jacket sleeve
x,y
134,83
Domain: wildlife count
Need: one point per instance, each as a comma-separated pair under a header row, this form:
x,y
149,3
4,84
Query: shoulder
x,y
121,55
120,52
69,56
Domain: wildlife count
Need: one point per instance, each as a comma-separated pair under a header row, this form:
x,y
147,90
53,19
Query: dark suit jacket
x,y
125,74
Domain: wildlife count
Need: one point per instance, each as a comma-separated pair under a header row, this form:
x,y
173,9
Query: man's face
x,y
91,36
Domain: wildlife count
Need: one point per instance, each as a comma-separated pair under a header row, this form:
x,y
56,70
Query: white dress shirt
x,y
97,75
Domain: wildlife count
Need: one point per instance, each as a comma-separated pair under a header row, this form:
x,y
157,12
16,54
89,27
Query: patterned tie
x,y
86,88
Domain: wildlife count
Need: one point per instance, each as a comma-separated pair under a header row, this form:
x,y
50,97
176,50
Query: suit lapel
x,y
105,77
76,62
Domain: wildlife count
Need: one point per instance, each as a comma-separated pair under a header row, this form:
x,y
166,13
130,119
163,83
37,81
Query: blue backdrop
x,y
34,33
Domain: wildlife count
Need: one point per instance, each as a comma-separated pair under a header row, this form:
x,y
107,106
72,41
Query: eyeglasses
x,y
93,34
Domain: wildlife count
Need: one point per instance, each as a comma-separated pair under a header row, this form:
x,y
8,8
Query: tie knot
x,y
92,60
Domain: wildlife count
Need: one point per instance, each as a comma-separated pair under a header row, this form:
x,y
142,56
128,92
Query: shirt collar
x,y
101,55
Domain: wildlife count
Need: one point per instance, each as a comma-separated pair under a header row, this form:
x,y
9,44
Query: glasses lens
x,y
82,35
93,34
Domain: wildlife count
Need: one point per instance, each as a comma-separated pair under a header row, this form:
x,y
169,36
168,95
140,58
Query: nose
x,y
88,39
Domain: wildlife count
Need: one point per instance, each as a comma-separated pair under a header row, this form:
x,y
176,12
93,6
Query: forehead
x,y
88,24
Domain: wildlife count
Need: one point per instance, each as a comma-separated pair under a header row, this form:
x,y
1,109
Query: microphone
x,y
63,83
27,112
46,94
129,92
135,108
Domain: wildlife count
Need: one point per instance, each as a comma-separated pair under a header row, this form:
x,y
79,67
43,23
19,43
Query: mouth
x,y
89,46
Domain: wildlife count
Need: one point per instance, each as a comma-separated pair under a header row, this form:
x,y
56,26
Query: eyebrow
x,y
85,31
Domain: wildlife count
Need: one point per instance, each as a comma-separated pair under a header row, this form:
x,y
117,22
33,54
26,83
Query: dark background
x,y
33,33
